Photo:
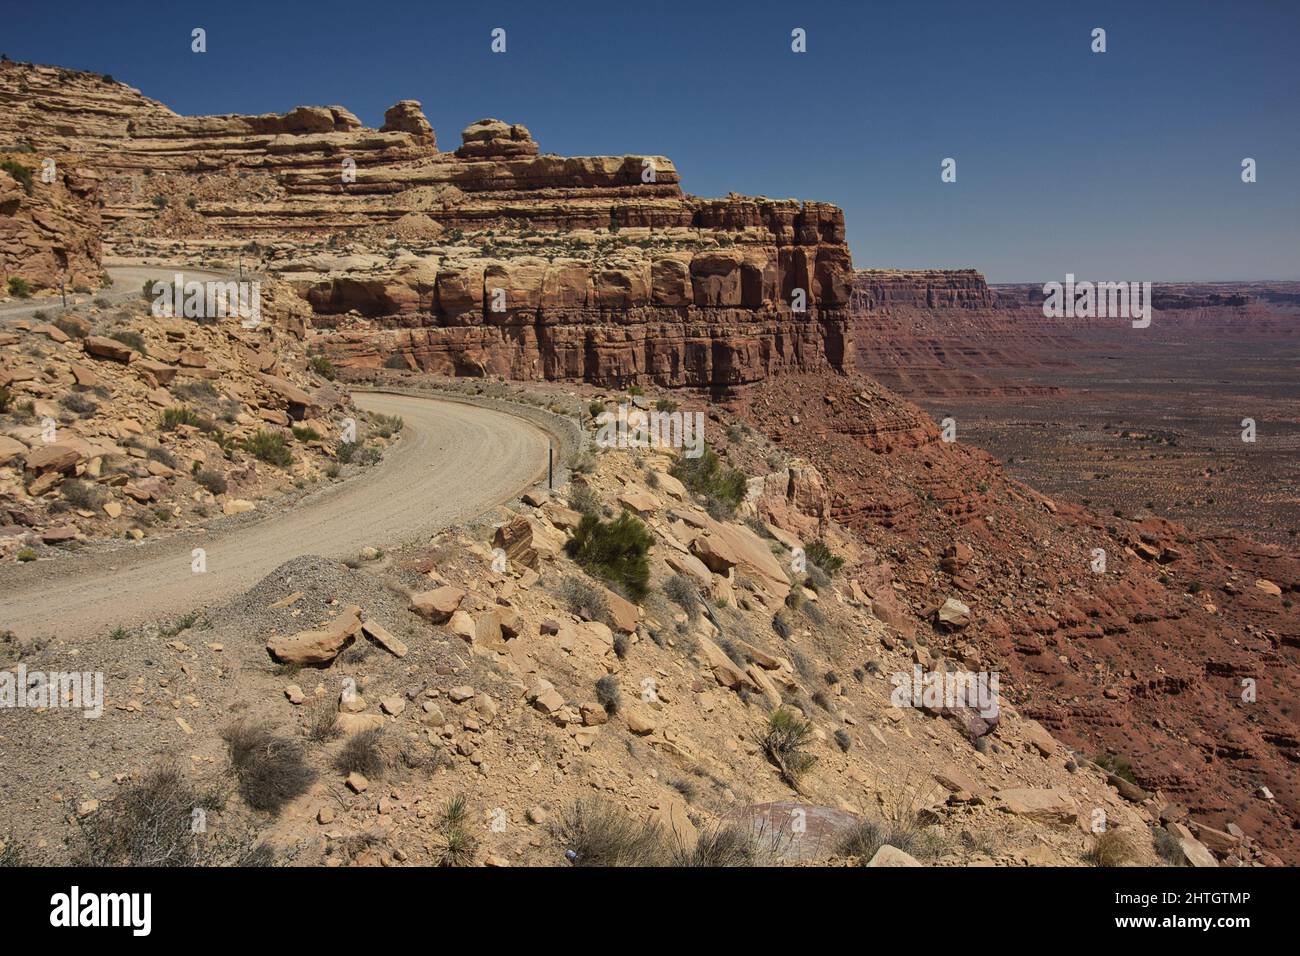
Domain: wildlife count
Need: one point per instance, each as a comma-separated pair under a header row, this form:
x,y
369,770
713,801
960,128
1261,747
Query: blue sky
x,y
1122,165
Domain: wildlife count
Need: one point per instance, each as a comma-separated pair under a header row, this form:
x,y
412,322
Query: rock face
x,y
511,262
408,117
937,332
49,231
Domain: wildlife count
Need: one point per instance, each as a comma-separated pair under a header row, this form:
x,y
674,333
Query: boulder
x,y
516,539
726,671
953,614
57,456
439,604
892,856
1046,805
381,636
106,348
317,646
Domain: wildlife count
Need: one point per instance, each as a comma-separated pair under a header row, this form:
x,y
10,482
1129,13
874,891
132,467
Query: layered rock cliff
x,y
49,231
944,332
492,259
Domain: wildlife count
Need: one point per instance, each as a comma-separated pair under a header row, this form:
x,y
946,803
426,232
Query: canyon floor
x,y
1155,423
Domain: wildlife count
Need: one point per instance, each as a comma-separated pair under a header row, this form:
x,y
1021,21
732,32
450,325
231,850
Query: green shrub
x,y
6,399
346,451
269,447
903,833
581,463
722,487
19,287
388,425
456,842
617,551
322,366
176,416
598,833
19,172
305,433
786,745
729,845
819,554
1113,763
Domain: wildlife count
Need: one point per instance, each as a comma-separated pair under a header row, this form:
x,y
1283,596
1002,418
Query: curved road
x,y
128,283
453,462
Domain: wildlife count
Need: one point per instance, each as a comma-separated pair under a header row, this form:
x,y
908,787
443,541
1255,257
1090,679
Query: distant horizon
x,y
1122,165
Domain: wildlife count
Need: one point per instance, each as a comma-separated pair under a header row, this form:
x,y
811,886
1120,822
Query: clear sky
x,y
1122,165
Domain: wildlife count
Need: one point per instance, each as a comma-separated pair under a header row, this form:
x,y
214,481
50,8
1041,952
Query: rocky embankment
x,y
116,423
1175,656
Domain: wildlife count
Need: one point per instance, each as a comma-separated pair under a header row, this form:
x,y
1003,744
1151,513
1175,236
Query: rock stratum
x,y
497,258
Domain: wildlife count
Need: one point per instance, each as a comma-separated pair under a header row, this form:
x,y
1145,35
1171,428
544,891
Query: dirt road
x,y
128,283
453,462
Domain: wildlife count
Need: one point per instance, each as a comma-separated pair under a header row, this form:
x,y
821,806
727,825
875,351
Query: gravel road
x,y
453,462
128,284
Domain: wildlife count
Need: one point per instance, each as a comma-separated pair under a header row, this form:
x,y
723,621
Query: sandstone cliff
x,y
49,231
492,259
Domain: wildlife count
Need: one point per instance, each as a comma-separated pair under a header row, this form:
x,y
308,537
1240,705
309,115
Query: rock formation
x,y
49,231
494,259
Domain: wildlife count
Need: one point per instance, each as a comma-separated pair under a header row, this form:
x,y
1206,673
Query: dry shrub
x,y
597,833
271,769
153,822
1113,847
